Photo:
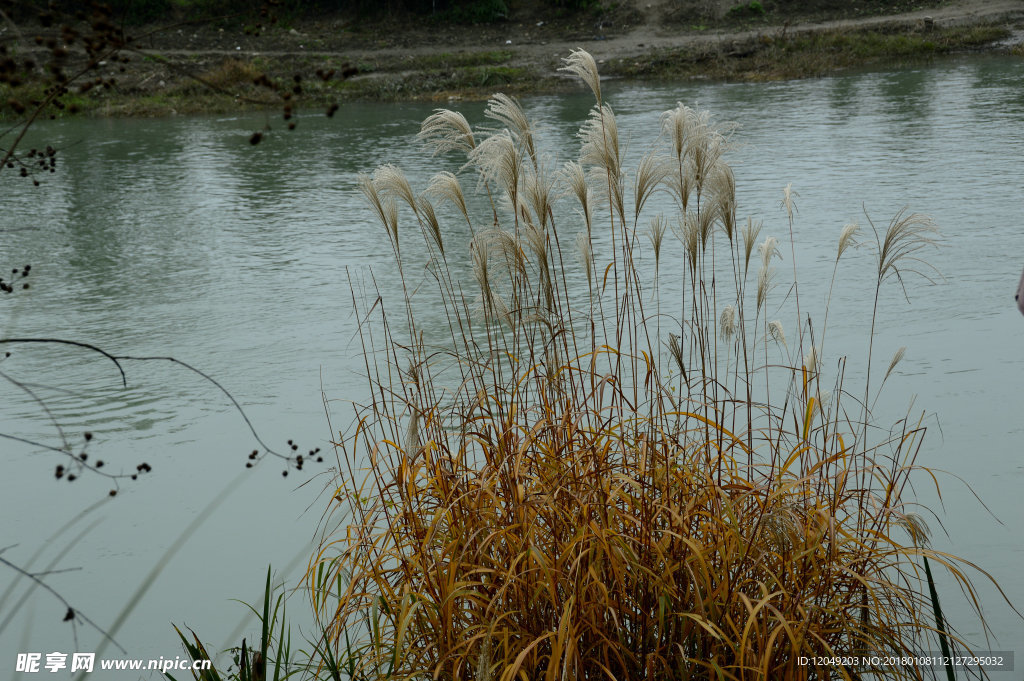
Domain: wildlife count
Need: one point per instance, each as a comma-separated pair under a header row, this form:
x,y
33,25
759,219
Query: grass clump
x,y
610,462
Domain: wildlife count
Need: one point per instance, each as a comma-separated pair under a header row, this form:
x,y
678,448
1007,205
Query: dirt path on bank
x,y
651,36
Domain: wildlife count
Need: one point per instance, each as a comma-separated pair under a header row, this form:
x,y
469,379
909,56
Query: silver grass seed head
x,y
776,333
508,112
824,398
896,359
536,239
687,230
680,123
492,308
768,249
431,227
412,442
656,233
384,206
585,253
916,527
680,182
750,233
445,186
727,322
606,190
372,195
500,243
705,153
782,526
478,250
706,222
812,359
787,200
497,159
600,141
675,347
904,238
447,130
722,184
390,180
847,238
764,285
537,189
574,177
582,64
649,174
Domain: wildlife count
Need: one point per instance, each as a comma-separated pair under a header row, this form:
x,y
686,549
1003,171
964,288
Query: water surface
x,y
177,237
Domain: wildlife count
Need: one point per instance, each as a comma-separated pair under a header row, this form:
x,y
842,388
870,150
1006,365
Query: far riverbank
x,y
306,65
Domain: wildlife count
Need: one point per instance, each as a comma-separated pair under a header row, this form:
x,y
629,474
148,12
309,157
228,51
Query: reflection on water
x,y
177,237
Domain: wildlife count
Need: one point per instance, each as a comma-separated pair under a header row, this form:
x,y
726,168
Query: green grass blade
x,y
939,621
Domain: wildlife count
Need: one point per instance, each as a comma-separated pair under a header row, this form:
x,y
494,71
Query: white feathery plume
x,y
444,185
750,233
768,249
906,235
431,227
680,123
502,243
447,130
656,233
585,253
787,200
582,64
705,150
776,333
478,250
391,180
600,140
384,207
687,230
537,239
706,220
823,401
651,171
727,322
412,442
812,359
680,183
723,191
507,111
497,159
764,284
537,193
847,238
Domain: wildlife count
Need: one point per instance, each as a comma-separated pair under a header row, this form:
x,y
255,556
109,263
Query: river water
x,y
177,237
